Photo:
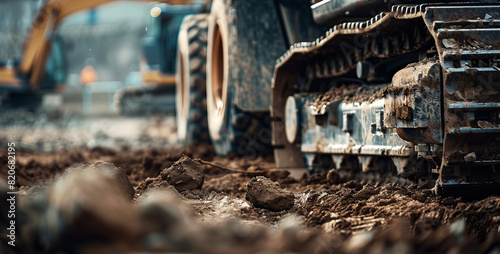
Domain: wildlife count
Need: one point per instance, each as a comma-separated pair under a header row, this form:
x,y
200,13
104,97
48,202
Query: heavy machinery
x,y
435,110
42,67
159,48
15,90
374,87
407,88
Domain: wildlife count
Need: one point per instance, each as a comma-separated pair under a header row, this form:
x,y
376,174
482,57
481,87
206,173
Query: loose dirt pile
x,y
87,208
184,175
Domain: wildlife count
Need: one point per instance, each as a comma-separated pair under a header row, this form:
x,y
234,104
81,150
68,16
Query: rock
x,y
358,241
458,228
117,174
161,209
290,226
264,193
185,174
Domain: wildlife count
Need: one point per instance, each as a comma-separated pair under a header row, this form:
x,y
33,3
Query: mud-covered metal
x,y
259,39
413,103
468,49
439,113
354,129
360,131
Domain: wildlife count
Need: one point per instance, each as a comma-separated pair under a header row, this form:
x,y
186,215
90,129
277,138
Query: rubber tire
x,y
124,103
190,95
231,129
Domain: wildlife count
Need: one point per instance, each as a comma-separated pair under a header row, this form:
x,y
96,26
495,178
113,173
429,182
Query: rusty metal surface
x,y
258,39
444,110
468,49
415,97
352,128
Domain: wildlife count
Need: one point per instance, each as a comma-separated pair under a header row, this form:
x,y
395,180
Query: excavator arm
x,y
37,46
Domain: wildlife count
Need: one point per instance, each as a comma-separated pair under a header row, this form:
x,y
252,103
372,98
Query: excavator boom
x,y
37,46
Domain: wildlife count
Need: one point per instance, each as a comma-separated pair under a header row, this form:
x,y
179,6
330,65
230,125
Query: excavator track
x,y
436,114
468,51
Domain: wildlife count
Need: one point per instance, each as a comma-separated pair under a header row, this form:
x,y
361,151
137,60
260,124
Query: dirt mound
x,y
185,174
264,193
141,164
94,216
150,183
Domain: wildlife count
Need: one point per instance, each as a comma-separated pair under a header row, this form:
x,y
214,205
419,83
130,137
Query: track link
x,y
469,51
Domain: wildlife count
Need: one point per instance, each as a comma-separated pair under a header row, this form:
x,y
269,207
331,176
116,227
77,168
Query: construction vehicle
x,y
42,68
406,88
15,91
159,48
373,87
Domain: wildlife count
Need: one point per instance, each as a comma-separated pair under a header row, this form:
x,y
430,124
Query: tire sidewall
x,y
218,121
183,84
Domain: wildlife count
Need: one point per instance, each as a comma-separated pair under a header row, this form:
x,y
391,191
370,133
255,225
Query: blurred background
x,y
107,37
99,52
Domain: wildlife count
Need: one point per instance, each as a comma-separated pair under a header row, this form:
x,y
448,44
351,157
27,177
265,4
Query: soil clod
x,y
262,192
185,174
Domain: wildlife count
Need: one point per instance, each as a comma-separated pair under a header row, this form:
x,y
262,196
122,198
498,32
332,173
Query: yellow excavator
x,y
42,66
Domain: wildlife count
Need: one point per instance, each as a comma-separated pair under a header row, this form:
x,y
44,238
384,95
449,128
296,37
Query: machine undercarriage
x,y
413,92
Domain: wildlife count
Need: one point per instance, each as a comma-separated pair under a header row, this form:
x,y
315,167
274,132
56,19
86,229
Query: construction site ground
x,y
84,209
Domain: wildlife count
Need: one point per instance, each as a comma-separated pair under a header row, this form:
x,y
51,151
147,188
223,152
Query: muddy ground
x,y
115,185
341,217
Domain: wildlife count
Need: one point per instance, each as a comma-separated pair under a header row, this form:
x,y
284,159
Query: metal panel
x,y
259,39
